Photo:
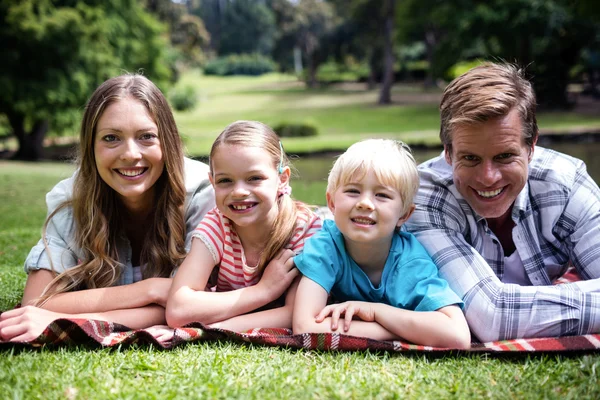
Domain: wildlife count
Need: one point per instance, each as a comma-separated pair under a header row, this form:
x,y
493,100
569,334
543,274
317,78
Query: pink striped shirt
x,y
219,236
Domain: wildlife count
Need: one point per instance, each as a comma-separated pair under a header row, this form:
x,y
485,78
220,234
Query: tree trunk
x,y
372,79
312,71
30,144
385,96
430,43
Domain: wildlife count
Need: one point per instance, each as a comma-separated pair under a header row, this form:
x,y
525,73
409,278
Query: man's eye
x,y
470,158
504,156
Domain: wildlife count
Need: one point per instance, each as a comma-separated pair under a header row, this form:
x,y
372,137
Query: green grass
x,y
233,370
343,114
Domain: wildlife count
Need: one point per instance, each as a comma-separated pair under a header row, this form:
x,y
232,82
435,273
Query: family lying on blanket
x,y
144,237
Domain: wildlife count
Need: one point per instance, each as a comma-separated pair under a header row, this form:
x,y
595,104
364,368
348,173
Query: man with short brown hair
x,y
503,219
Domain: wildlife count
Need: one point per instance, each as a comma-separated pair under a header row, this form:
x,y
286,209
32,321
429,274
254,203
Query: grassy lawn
x,y
233,370
344,114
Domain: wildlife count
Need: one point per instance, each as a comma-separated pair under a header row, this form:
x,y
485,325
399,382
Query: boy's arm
x,y
445,327
311,301
280,317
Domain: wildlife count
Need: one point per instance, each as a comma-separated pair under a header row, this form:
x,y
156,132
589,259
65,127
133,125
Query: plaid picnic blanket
x,y
65,332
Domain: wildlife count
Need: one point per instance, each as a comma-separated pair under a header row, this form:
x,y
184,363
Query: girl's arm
x,y
311,300
189,302
27,323
445,327
139,294
280,317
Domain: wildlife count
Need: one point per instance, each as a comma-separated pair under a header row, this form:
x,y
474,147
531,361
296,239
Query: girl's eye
x,y
255,178
223,180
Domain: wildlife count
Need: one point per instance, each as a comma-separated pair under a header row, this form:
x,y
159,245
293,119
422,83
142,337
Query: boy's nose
x,y
365,203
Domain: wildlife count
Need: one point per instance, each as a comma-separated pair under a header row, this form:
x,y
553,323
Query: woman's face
x,y
128,153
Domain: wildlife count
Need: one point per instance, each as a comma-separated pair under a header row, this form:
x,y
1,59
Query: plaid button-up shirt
x,y
557,217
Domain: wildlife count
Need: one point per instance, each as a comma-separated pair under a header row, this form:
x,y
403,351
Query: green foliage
x,y
240,64
294,129
183,98
461,67
237,27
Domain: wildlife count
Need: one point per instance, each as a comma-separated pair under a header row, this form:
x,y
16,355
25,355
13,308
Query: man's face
x,y
490,164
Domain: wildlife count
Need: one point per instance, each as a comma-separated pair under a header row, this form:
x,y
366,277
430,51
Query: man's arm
x,y
498,311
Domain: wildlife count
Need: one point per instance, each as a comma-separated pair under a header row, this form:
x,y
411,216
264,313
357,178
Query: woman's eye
x,y
109,138
148,136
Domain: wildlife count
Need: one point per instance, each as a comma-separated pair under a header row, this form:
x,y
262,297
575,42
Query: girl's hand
x,y
360,309
279,274
26,323
163,333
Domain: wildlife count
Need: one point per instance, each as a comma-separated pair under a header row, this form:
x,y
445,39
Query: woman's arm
x,y
27,323
280,317
189,302
139,294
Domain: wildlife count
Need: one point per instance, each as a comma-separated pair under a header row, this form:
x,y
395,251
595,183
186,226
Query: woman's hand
x,y
279,274
162,333
360,309
26,323
158,289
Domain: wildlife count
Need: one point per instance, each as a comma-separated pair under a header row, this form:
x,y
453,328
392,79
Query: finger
x,y
10,332
335,316
348,317
323,314
13,313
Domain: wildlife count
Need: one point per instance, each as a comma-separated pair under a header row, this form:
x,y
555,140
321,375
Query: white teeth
x,y
131,173
240,207
365,221
489,194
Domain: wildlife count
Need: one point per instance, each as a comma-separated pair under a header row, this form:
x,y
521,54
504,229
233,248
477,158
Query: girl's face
x,y
246,185
128,153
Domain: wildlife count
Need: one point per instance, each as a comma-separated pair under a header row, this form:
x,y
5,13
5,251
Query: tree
x,y
57,52
239,26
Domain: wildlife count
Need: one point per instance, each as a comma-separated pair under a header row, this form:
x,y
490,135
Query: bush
x,y
240,64
183,98
286,129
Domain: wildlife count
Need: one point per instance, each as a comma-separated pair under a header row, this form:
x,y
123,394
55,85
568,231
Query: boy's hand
x,y
360,309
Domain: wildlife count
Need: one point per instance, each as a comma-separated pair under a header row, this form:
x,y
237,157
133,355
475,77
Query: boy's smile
x,y
366,211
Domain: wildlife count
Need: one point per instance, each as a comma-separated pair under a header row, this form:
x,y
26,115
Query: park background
x,y
323,73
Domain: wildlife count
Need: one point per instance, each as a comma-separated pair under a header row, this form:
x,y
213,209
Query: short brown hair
x,y
487,91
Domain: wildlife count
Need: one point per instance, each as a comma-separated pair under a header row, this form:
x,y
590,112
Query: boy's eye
x,y
352,191
383,195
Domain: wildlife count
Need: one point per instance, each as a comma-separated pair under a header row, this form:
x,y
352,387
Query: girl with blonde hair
x,y
119,226
250,237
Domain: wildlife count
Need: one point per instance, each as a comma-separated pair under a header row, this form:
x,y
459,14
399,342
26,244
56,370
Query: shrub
x,y
183,98
286,129
240,64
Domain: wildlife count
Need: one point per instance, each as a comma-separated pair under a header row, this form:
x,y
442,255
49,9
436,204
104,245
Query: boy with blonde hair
x,y
384,277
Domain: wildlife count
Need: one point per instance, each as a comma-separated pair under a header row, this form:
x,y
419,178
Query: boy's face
x,y
367,211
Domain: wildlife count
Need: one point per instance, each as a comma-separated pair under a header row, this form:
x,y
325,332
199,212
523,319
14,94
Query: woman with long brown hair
x,y
119,226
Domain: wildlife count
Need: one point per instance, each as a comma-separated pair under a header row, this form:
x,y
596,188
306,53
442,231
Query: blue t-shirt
x,y
409,280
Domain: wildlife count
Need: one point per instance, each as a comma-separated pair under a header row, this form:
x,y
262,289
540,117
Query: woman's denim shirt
x,y
60,230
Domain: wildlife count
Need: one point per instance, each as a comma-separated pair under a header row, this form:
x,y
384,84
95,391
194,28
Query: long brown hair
x,y
257,134
97,210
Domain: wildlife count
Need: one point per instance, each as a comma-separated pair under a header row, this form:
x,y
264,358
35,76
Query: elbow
x,y
175,313
302,325
462,341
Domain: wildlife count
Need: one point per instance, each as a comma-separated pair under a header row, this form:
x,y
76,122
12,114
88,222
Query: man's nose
x,y
489,173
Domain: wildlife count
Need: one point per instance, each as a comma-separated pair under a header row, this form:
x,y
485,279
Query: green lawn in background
x,y
233,370
343,113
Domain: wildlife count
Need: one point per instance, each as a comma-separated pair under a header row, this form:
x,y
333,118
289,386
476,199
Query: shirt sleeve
x,y
59,254
317,260
495,311
212,233
308,225
200,197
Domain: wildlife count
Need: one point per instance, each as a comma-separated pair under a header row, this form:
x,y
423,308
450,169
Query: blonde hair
x,y
487,91
257,134
390,160
97,210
